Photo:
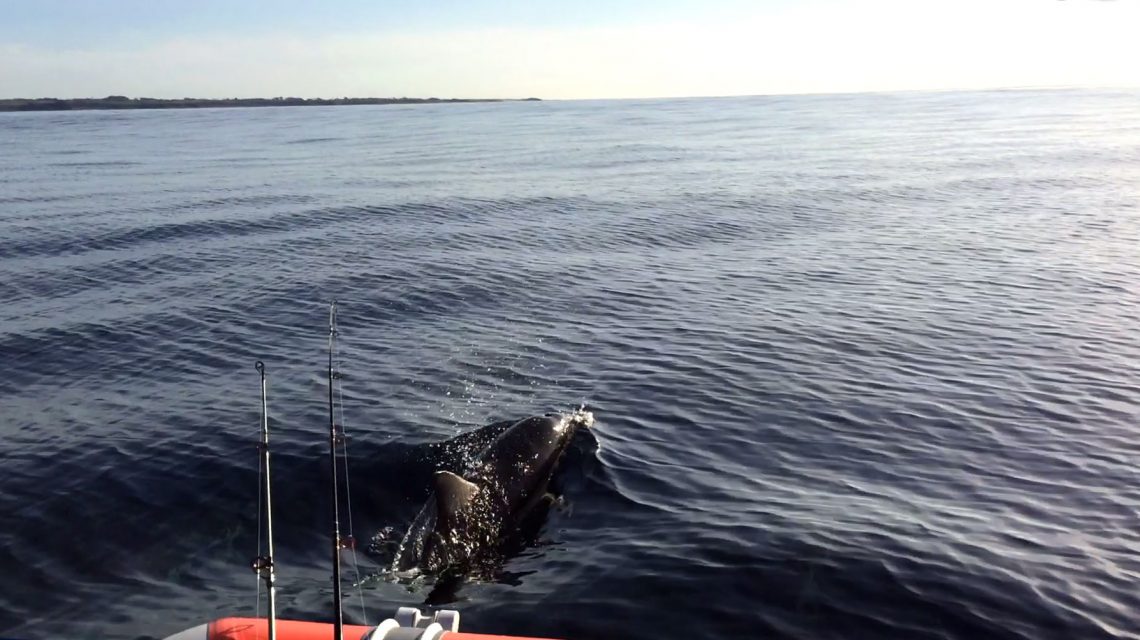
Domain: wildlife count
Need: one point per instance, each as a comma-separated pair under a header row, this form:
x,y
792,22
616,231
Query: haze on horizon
x,y
586,49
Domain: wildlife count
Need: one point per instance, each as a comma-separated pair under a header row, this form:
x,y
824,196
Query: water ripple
x,y
862,365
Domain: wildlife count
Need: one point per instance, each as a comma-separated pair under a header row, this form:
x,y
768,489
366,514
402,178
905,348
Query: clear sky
x,y
558,48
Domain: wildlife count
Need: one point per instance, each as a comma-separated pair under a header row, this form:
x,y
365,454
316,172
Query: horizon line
x,y
1046,87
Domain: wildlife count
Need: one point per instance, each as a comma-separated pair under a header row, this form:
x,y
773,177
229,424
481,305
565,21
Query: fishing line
x,y
347,482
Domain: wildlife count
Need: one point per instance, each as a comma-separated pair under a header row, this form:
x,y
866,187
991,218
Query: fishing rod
x,y
334,439
263,565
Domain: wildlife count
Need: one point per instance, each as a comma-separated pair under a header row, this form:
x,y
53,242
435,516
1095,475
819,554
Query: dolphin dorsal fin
x,y
452,494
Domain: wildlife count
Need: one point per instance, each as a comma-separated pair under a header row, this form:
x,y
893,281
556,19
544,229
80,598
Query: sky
x,y
562,49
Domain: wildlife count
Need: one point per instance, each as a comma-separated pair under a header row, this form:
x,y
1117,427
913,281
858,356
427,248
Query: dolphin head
x,y
522,459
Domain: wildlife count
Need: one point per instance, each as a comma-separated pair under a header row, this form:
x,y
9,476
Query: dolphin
x,y
471,514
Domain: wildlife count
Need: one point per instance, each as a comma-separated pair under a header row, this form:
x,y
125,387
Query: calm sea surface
x,y
863,366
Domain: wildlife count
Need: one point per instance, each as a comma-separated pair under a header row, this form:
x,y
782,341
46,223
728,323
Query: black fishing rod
x,y
334,439
263,565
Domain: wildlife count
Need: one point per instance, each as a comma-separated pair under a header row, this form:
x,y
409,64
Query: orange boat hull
x,y
258,629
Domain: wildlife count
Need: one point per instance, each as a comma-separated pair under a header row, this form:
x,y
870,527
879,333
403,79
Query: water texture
x,y
863,366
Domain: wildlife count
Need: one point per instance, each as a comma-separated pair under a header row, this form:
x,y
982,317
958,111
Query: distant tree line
x,y
123,102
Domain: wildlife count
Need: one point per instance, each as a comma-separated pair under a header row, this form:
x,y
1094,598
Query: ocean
x,y
863,366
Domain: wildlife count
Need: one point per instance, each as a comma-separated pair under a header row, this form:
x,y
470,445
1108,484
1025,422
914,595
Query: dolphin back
x,y
471,512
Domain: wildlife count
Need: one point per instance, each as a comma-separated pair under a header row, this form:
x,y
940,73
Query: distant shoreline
x,y
123,102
